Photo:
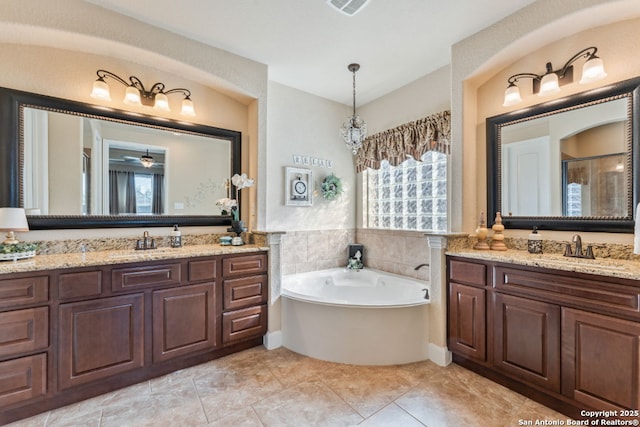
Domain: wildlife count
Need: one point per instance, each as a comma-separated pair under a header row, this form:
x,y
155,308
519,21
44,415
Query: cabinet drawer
x,y
79,284
243,324
246,264
123,279
245,291
23,379
597,294
22,331
27,290
468,273
202,270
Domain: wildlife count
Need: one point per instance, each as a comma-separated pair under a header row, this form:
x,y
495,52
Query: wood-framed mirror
x,y
64,162
567,164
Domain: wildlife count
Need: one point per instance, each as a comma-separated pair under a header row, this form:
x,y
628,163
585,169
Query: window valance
x,y
432,133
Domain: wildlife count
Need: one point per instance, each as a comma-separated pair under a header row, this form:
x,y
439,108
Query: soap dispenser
x,y
534,244
176,237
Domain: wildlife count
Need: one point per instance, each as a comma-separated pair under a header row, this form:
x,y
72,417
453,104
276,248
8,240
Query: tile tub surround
x,y
281,388
395,251
304,251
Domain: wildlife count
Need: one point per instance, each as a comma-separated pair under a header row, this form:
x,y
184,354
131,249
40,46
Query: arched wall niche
x,y
542,32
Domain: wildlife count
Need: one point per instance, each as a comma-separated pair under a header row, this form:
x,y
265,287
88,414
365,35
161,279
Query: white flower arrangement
x,y
227,204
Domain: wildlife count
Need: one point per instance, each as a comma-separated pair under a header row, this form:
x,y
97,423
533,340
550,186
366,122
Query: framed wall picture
x,y
298,187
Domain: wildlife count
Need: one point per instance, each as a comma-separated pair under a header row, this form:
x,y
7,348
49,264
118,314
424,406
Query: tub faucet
x,y
578,253
420,266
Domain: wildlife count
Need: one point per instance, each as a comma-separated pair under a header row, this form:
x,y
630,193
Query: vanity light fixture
x,y
136,94
354,129
551,80
12,220
146,160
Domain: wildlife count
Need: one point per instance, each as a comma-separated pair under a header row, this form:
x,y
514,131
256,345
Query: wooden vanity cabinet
x,y
105,327
244,298
24,339
569,340
467,315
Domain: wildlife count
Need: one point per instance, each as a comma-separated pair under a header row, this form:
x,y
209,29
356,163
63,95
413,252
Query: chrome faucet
x,y
146,242
578,253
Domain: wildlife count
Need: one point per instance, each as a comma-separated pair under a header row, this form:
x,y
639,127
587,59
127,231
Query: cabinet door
x,y
100,338
600,360
467,321
526,342
184,321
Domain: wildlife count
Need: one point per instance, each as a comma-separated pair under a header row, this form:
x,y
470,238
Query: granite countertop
x,y
626,269
78,259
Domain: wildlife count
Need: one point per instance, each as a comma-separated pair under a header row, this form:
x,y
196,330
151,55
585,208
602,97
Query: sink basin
x,y
585,262
132,253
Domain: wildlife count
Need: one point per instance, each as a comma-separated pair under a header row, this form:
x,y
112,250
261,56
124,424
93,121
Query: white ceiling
x,y
307,44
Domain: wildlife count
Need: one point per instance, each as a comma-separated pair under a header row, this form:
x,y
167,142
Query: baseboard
x,y
273,340
439,355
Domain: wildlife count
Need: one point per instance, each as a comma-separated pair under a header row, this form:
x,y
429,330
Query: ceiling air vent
x,y
348,7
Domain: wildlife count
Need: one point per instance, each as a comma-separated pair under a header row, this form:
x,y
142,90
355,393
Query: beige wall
x,y
307,125
524,42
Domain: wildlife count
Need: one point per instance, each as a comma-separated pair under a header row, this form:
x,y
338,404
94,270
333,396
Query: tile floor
x,y
280,388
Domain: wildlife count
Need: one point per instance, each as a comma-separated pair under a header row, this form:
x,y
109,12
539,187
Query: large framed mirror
x,y
568,164
77,165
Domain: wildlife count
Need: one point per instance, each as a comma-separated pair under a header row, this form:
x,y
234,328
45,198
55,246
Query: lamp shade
x,y
161,102
549,84
511,96
101,90
132,96
13,219
593,70
187,107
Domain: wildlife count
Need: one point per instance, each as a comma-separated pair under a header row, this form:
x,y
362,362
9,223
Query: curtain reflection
x,y
131,193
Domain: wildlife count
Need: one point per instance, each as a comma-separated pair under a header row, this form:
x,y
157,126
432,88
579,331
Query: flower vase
x,y
238,228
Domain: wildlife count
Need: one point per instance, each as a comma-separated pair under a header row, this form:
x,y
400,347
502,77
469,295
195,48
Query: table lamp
x,y
12,220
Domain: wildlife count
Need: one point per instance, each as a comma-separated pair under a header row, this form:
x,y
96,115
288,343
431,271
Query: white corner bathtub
x,y
365,317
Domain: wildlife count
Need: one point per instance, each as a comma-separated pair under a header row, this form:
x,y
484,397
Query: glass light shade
x,y
549,84
132,96
101,90
161,102
146,160
592,71
187,108
511,96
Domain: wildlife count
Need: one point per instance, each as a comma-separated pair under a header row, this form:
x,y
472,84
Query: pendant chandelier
x,y
354,129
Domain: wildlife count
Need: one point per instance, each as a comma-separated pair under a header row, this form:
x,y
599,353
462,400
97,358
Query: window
x,y
144,193
410,196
